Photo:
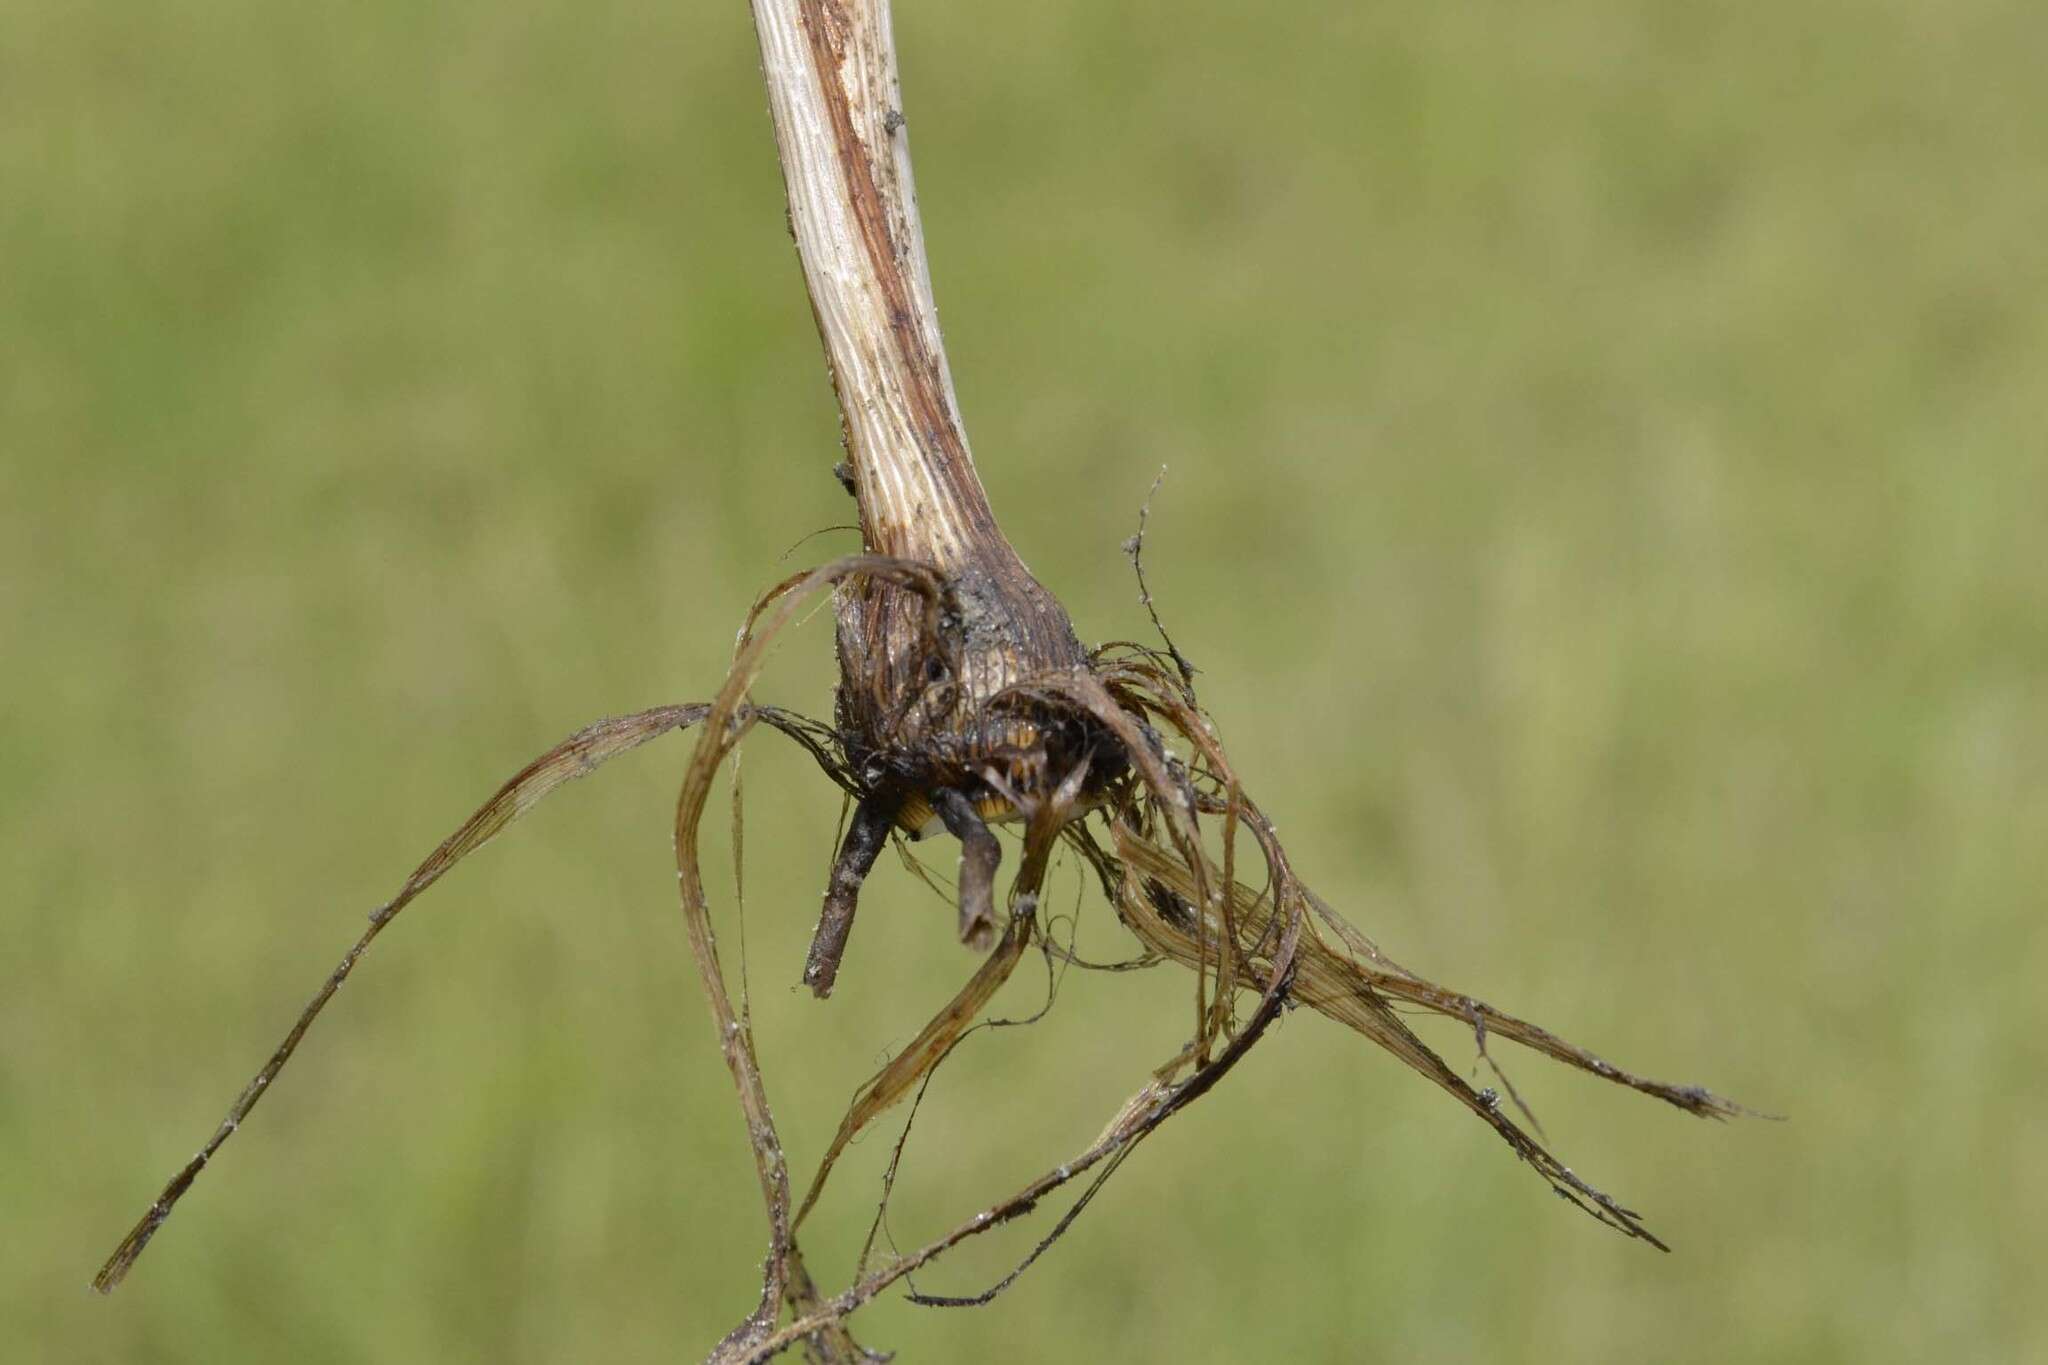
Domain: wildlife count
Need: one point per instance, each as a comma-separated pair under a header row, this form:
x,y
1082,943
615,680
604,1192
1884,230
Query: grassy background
x,y
1608,466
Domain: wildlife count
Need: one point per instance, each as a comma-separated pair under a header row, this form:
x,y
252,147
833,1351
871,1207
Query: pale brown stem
x,y
844,145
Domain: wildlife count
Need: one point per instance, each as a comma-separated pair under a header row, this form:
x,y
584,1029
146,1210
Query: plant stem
x,y
845,152
913,710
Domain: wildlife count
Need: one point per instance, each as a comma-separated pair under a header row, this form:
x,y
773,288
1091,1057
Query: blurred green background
x,y
1607,449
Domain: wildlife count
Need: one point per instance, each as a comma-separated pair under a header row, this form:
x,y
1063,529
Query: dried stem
x,y
845,152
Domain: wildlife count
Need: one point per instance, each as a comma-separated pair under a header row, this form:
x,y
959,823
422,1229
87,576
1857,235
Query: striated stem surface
x,y
845,151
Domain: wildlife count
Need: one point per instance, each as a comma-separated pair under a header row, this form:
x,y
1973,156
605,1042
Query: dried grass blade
x,y
725,723
893,1082
1353,994
1140,1115
575,756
